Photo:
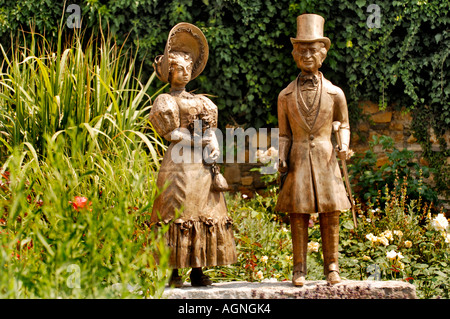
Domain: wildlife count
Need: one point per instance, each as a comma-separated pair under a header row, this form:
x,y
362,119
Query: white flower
x,y
398,233
313,246
383,240
262,156
399,256
447,238
440,223
244,196
269,155
272,153
371,237
288,258
284,230
368,220
391,255
387,234
408,244
264,259
259,275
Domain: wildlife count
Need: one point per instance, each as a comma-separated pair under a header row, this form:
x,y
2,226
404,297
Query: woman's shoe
x,y
200,280
175,281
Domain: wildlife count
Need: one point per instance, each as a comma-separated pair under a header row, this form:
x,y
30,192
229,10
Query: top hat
x,y
187,38
310,29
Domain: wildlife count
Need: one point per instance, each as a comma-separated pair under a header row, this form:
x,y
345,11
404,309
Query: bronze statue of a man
x,y
313,183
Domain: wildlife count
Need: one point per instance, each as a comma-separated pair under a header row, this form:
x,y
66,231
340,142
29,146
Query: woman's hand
x,y
214,155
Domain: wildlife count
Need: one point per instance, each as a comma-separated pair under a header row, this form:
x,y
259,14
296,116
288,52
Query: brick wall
x,y
389,122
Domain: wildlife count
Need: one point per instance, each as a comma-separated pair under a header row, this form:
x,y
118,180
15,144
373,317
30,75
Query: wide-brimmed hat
x,y
184,37
310,29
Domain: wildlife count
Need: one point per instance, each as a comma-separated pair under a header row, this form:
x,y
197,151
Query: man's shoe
x,y
298,278
333,277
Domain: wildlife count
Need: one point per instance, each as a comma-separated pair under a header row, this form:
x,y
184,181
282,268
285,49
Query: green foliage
x,y
262,240
404,61
370,180
53,246
78,174
401,225
95,86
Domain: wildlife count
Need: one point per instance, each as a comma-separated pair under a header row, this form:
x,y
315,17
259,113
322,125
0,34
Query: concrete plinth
x,y
347,289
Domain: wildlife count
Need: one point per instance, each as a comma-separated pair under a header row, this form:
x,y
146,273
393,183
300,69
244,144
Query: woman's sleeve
x,y
165,115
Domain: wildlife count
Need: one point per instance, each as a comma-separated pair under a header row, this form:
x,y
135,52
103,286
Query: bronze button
x,y
312,145
311,137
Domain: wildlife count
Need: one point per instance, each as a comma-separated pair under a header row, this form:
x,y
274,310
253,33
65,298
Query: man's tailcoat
x,y
314,181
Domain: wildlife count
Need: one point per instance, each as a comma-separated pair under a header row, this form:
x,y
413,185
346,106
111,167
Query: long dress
x,y
200,232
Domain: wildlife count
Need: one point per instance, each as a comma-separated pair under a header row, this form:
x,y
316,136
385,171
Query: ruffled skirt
x,y
200,232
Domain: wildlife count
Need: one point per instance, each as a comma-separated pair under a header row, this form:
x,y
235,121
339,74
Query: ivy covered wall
x,y
396,53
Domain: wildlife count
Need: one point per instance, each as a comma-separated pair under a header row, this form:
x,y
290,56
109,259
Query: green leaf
x,y
438,37
360,3
348,225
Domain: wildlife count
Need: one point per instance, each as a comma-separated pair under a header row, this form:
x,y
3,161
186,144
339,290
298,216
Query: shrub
x,y
72,227
369,180
395,241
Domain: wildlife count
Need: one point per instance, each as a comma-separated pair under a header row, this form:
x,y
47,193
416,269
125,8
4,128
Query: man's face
x,y
181,72
308,56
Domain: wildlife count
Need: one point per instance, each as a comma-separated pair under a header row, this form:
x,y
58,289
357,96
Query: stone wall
x,y
396,124
389,122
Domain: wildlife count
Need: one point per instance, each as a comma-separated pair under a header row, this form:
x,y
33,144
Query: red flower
x,y
79,202
409,279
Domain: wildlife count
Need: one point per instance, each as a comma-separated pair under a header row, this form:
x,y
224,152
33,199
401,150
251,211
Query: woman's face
x,y
181,72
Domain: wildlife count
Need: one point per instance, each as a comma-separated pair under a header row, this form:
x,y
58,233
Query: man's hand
x,y
342,153
282,166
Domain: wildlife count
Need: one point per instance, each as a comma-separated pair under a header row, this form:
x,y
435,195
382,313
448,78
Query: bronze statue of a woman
x,y
200,233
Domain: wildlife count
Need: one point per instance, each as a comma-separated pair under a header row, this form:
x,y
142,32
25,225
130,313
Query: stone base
x,y
347,289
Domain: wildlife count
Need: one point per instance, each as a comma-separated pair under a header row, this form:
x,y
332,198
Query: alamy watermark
x,y
374,19
74,20
74,279
375,272
190,146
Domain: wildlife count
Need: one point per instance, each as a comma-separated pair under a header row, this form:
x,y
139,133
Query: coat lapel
x,y
324,106
293,107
